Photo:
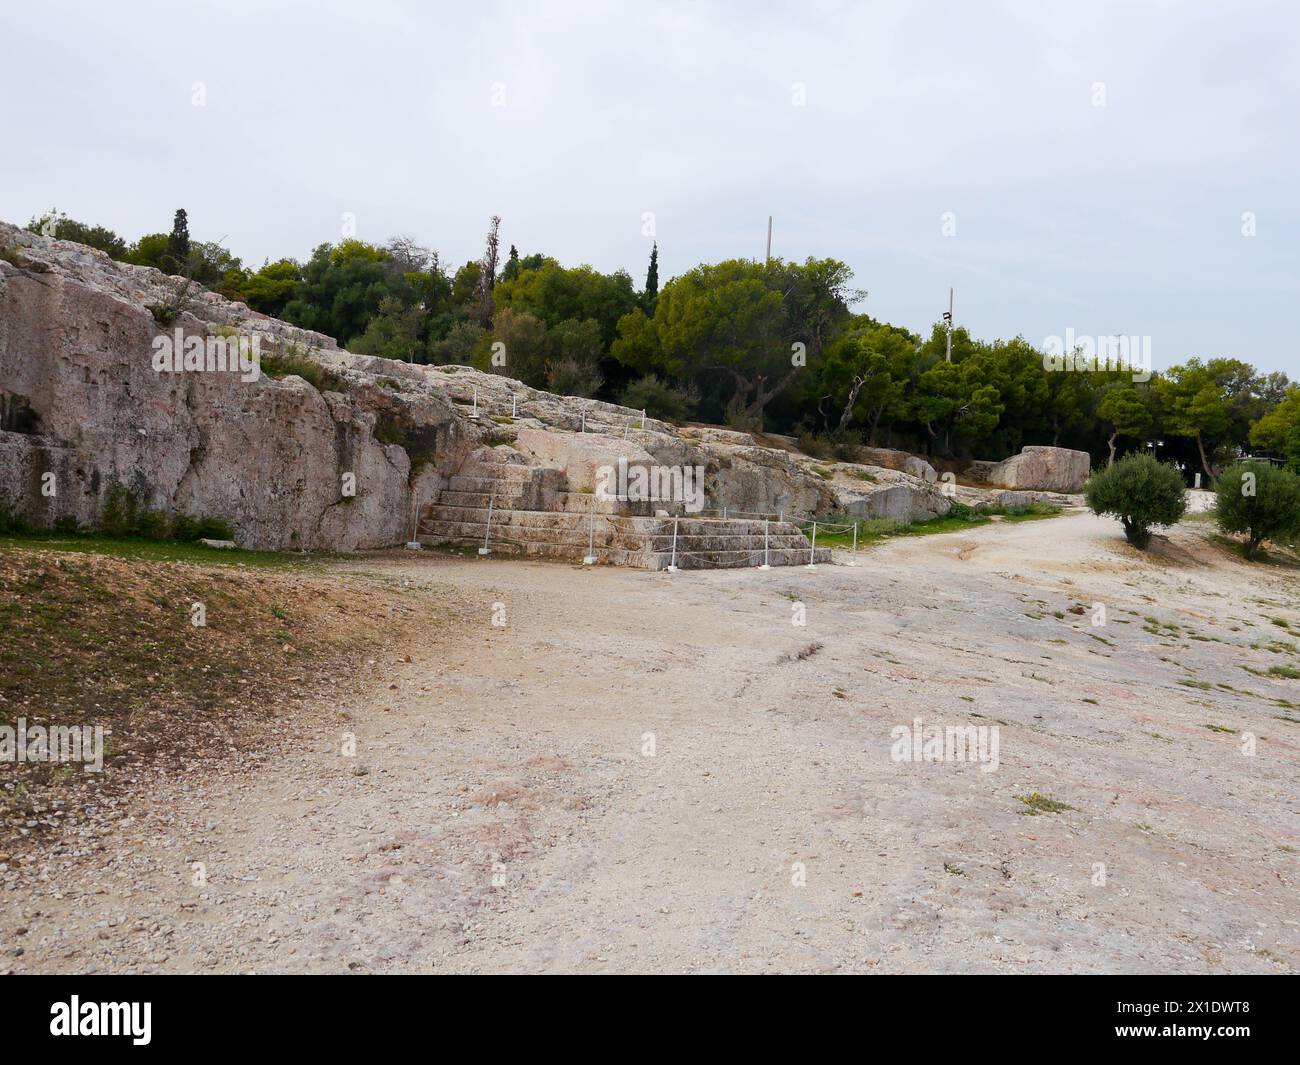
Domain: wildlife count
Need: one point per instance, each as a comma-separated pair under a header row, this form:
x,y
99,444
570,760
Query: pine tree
x,y
652,280
178,243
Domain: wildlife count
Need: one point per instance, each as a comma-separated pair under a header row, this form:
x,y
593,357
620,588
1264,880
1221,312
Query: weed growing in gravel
x,y
1037,803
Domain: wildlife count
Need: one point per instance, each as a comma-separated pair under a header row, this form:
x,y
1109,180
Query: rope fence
x,y
672,541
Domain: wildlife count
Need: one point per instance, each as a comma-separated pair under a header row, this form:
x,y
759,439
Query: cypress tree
x,y
178,243
652,280
511,268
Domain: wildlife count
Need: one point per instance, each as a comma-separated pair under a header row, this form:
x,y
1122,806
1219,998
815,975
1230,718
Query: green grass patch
x,y
1035,511
1037,803
297,363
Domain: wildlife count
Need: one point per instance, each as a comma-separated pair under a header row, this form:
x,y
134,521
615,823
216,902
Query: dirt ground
x,y
661,772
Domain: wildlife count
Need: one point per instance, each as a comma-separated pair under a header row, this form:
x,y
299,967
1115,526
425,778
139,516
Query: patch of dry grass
x,y
97,640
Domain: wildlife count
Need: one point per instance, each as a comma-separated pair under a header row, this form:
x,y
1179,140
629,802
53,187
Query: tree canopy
x,y
770,345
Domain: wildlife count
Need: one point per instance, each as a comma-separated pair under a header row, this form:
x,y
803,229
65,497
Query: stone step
x,y
582,502
635,559
605,524
728,543
567,532
477,482
619,555
472,531
717,526
660,560
508,500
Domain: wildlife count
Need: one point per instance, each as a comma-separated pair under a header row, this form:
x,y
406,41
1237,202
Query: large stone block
x,y
904,503
1044,469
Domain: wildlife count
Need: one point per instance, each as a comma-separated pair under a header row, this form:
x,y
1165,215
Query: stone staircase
x,y
533,513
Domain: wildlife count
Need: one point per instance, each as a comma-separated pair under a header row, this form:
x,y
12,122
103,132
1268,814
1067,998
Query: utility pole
x,y
948,319
768,258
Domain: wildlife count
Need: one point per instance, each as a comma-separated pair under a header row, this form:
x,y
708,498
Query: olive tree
x,y
1260,500
1140,492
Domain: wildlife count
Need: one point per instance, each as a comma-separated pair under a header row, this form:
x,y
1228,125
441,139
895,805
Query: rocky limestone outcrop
x,y
1044,469
339,464
290,465
901,461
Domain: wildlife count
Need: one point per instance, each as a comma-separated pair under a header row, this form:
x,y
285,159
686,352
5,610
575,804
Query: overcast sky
x,y
1096,158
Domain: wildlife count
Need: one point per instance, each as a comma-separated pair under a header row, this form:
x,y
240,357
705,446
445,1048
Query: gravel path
x,y
657,772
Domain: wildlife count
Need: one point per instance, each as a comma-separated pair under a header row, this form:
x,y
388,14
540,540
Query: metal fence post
x,y
413,544
643,417
583,427
514,405
474,412
590,560
854,560
485,550
812,550
672,563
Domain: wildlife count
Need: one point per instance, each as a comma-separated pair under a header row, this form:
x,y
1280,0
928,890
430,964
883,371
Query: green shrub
x,y
119,518
659,399
9,521
960,511
847,445
213,528
188,528
293,360
124,518
573,377
1140,492
810,443
1260,500
152,525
